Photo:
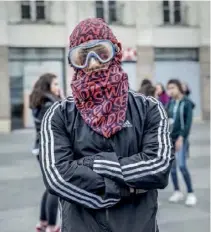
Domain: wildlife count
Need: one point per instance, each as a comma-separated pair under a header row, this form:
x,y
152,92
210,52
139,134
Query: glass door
x,y
32,71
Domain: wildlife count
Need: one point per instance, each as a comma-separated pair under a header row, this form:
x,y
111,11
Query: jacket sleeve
x,y
186,116
149,169
39,117
66,177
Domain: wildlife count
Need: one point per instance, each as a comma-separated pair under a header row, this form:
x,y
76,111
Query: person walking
x,y
147,88
162,95
44,94
180,117
105,150
187,92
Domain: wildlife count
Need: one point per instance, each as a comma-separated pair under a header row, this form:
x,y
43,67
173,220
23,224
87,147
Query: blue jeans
x,y
181,160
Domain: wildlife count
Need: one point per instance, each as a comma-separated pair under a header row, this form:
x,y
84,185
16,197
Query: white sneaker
x,y
176,197
191,199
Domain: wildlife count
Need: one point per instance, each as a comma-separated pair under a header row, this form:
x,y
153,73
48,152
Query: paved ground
x,y
21,186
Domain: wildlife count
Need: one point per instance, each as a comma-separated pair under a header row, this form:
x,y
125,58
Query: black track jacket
x,y
107,184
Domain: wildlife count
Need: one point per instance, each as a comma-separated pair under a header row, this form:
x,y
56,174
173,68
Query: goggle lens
x,y
104,51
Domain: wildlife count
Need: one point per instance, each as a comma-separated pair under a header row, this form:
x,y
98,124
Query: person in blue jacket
x,y
180,113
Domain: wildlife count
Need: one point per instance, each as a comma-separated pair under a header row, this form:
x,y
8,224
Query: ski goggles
x,y
103,50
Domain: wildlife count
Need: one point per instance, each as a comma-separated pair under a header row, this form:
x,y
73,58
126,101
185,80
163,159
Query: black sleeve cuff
x,y
87,161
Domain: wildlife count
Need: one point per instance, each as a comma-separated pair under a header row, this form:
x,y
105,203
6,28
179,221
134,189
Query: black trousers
x,y
49,208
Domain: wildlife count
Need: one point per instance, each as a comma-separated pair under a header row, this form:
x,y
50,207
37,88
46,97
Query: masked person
x,y
106,150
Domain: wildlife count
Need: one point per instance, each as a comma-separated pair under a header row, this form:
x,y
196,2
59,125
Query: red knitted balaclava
x,y
101,97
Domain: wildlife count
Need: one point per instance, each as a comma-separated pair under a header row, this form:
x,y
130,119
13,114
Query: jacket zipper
x,y
107,220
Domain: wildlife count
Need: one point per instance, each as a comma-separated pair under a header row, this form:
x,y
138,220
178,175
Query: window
x,y
172,12
33,10
40,10
25,10
112,11
16,93
166,12
100,9
176,54
106,10
177,12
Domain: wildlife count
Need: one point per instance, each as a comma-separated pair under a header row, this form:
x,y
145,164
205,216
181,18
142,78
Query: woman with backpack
x,y
44,94
180,116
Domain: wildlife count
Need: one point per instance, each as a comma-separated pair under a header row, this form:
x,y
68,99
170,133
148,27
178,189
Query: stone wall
x,y
5,122
145,63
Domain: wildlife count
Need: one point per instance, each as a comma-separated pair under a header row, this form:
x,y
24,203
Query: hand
x,y
179,143
86,161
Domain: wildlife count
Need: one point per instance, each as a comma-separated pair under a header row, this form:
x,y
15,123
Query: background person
x,y
147,88
45,92
162,95
180,112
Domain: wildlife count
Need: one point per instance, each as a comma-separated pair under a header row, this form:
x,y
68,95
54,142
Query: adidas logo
x,y
127,124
